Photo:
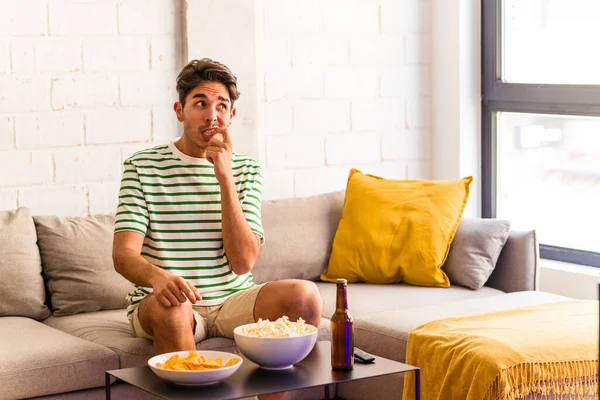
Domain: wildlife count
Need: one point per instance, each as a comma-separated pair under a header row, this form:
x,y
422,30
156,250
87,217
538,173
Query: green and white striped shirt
x,y
174,200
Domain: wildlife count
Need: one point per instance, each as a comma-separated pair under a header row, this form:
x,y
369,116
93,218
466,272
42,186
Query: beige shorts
x,y
214,321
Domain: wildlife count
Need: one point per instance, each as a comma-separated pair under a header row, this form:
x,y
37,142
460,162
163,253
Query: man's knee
x,y
308,292
306,297
154,317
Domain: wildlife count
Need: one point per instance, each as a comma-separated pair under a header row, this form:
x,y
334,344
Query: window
x,y
541,122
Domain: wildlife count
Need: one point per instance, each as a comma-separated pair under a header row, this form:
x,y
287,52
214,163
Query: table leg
x,y
107,385
326,392
417,384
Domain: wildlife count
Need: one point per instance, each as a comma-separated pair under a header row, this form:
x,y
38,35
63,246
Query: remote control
x,y
362,356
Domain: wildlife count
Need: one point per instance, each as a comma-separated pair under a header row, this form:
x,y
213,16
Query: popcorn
x,y
283,327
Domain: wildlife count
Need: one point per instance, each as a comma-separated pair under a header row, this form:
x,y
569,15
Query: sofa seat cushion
x,y
39,360
386,333
365,299
110,328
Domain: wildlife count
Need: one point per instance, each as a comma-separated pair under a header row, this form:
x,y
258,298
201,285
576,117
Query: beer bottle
x,y
342,331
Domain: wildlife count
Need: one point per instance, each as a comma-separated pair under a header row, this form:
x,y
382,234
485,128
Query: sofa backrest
x,y
298,236
517,267
77,262
21,284
76,256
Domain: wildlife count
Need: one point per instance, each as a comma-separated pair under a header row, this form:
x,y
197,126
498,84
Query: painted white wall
x,y
456,94
83,84
337,84
577,281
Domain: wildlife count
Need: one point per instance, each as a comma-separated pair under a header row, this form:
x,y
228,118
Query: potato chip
x,y
231,362
194,362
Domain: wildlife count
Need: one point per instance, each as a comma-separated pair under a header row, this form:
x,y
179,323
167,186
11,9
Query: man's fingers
x,y
189,292
168,299
226,137
178,295
194,296
216,143
225,133
210,155
164,301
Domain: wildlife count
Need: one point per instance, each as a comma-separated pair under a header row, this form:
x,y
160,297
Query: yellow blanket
x,y
544,349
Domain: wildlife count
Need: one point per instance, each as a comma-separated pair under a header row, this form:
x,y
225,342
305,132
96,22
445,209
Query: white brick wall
x,y
49,129
64,201
5,133
87,165
25,17
95,17
8,200
83,84
25,168
339,84
118,125
355,74
291,151
4,56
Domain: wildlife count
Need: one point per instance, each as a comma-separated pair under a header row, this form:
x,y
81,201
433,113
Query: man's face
x,y
207,106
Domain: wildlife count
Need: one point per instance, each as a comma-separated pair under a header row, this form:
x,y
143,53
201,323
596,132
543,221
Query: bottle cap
x,y
342,281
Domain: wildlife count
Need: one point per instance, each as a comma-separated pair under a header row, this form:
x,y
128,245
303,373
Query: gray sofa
x,y
62,307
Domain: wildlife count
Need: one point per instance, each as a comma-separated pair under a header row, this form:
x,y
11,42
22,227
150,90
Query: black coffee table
x,y
251,380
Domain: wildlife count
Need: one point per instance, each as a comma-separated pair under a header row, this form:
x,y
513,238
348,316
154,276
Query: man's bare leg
x,y
292,297
172,327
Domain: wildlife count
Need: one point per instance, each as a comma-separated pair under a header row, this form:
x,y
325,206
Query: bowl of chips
x,y
276,345
195,367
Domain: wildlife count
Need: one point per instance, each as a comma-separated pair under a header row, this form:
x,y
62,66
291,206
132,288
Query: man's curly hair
x,y
198,71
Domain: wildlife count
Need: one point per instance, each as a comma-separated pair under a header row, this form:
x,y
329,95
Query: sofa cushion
x,y
298,233
365,299
39,360
21,281
77,261
475,251
110,328
386,334
396,230
517,268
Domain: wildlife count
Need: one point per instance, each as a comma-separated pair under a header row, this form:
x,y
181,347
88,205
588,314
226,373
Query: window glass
x,y
549,177
551,41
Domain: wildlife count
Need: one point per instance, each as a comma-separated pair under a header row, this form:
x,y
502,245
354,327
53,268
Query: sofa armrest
x,y
517,266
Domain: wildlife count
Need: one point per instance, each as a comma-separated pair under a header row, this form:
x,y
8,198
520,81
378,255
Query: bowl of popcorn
x,y
276,344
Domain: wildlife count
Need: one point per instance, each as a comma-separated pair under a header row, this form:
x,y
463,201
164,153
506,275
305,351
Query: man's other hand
x,y
172,290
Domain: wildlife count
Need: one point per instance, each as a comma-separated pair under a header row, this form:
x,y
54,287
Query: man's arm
x,y
128,261
241,244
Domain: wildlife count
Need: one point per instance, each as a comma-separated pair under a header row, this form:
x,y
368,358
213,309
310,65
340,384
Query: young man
x,y
188,227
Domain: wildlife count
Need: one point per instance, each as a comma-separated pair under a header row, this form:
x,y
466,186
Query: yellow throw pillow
x,y
396,230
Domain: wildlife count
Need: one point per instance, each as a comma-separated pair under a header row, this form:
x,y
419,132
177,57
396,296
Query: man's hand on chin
x,y
218,153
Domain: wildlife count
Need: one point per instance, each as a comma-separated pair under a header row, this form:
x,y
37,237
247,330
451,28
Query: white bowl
x,y
275,352
205,377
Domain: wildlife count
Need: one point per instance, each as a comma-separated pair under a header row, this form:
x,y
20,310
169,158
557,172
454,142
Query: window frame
x,y
499,96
